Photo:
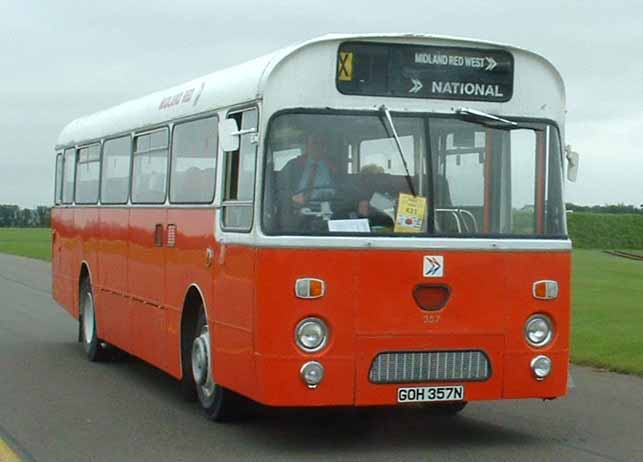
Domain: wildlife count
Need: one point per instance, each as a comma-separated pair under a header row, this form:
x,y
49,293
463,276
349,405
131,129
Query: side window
x,y
58,182
194,154
240,175
115,171
282,157
69,170
523,181
149,169
88,174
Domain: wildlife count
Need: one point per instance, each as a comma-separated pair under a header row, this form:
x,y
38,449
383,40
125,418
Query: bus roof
x,y
231,86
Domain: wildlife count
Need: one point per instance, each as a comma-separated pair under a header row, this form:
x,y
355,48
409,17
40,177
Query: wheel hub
x,y
201,358
88,318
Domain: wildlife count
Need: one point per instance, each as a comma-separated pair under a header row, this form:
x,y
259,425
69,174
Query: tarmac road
x,y
56,406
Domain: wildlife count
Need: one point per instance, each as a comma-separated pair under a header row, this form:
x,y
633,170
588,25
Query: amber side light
x,y
431,297
540,290
316,288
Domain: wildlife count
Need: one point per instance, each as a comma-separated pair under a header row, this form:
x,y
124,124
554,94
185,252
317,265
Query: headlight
x,y
541,366
539,330
311,334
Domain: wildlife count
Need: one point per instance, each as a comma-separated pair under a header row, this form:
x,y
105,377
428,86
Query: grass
x,y
607,316
607,312
27,242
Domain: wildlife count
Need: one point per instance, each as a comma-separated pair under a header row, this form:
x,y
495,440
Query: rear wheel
x,y
218,403
94,348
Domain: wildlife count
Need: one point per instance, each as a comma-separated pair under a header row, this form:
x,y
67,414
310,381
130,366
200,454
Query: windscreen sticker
x,y
411,212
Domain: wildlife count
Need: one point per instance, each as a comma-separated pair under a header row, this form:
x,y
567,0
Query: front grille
x,y
430,366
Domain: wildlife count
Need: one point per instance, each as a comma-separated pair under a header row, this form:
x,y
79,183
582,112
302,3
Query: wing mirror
x,y
229,135
572,163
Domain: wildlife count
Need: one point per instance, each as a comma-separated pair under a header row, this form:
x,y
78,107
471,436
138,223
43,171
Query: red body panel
x,y
231,318
252,309
370,309
110,286
186,266
64,257
146,285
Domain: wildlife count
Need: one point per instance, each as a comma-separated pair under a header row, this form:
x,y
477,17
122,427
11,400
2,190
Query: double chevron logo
x,y
433,266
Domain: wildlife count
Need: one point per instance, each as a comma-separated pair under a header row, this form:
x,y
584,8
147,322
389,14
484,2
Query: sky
x,y
62,59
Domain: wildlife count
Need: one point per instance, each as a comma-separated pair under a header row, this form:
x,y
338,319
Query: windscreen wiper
x,y
490,120
387,117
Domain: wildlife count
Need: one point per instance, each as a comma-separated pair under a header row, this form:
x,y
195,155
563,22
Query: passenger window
x,y
194,153
69,169
465,177
149,172
240,175
115,171
58,187
87,174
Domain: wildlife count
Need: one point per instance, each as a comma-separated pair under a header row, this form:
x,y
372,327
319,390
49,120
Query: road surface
x,y
56,406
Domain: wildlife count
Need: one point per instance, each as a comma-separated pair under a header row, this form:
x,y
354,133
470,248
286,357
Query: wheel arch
x,y
192,303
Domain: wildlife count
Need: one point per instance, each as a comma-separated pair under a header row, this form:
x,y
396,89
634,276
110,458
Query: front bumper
x,y
347,382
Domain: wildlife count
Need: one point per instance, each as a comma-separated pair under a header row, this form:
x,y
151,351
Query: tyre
x,y
93,346
218,403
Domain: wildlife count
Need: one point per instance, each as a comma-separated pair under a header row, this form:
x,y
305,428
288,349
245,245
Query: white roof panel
x,y
234,85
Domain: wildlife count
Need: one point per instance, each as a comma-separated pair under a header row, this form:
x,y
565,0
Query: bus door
x,y
146,251
234,279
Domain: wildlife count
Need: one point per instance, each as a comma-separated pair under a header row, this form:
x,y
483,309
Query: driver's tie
x,y
310,182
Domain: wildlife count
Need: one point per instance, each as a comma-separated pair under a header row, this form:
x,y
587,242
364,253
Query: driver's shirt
x,y
316,180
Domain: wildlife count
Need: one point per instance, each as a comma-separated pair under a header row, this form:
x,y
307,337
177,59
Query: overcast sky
x,y
63,59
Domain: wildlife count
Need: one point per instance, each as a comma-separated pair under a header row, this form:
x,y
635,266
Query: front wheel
x,y
94,348
218,403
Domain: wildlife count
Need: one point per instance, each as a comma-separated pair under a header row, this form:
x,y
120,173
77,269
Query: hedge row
x,y
605,230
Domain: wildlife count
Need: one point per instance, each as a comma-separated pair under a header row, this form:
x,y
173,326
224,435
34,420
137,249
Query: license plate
x,y
424,394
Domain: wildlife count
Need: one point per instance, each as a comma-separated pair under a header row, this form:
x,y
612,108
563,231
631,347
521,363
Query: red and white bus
x,y
356,220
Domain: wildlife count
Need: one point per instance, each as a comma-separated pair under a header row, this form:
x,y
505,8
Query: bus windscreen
x,y
414,71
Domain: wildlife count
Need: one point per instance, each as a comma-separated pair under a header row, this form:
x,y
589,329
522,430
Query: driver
x,y
310,176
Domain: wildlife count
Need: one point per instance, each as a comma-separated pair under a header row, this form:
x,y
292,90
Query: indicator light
x,y
310,288
545,290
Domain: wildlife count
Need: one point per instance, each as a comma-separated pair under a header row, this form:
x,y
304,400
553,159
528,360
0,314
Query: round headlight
x,y
539,330
541,366
311,334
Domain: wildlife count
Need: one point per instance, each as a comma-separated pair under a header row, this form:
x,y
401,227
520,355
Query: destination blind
x,y
415,71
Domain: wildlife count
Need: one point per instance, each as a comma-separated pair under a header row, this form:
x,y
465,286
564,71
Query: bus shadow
x,y
331,430
136,371
375,429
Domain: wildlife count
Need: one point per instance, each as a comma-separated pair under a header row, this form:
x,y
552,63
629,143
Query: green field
x,y
607,323
28,242
607,317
